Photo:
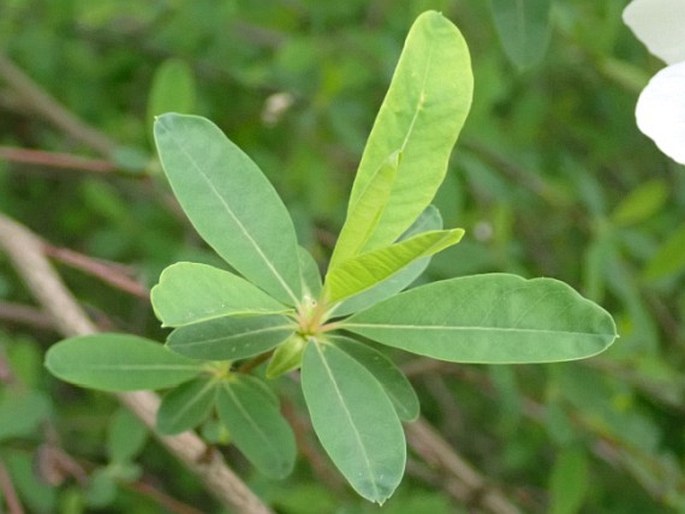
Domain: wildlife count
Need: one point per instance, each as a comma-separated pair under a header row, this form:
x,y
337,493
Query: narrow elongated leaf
x,y
126,436
311,276
354,420
22,412
669,259
365,213
368,269
429,219
492,318
569,481
256,426
396,385
230,203
173,89
189,293
421,116
523,27
186,406
118,362
230,338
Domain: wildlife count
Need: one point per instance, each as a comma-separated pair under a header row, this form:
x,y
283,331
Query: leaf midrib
x,y
348,414
251,333
453,328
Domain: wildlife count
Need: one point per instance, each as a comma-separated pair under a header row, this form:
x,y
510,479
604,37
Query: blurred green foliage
x,y
550,177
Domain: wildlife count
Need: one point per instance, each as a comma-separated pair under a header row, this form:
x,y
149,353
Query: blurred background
x,y
550,177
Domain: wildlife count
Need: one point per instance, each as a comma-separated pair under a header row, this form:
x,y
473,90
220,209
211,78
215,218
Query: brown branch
x,y
55,159
25,250
8,492
110,272
40,102
25,315
462,481
164,500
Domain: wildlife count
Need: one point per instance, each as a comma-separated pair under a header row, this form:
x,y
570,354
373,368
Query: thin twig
x,y
10,495
40,102
110,272
55,159
164,500
25,250
26,315
463,481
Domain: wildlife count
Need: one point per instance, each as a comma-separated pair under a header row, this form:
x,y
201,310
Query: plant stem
x,y
25,250
39,101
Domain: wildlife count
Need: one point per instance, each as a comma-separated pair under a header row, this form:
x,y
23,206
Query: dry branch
x,y
25,250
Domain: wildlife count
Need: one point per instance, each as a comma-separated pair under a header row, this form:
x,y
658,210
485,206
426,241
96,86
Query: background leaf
x,y
21,411
669,259
523,27
118,362
126,436
172,90
231,337
354,420
256,425
492,318
190,293
569,481
230,203
421,116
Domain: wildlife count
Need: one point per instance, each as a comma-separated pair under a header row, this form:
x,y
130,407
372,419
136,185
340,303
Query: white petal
x,y
660,25
660,111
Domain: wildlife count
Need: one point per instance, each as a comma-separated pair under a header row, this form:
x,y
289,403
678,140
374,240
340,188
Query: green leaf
x,y
126,436
256,425
669,259
569,482
186,406
523,27
641,203
118,362
354,420
190,293
491,318
364,214
231,337
173,89
230,203
368,269
311,276
429,219
396,385
421,116
287,357
21,412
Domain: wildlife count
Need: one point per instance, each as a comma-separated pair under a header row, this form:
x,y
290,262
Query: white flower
x,y
660,111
